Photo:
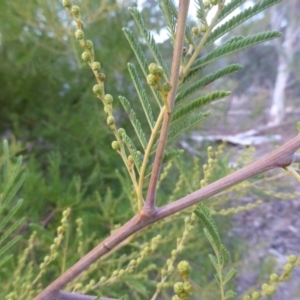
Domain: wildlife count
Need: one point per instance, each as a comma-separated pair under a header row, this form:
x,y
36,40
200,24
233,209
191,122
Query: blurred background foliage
x,y
51,117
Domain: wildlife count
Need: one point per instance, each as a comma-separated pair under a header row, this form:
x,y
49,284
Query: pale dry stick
x,y
149,206
279,158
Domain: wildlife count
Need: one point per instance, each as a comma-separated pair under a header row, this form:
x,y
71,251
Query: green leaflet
x,y
150,41
134,121
207,80
190,107
240,18
142,95
235,45
133,151
140,56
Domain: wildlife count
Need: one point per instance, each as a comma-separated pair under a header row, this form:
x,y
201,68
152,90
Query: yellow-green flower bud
x,y
214,2
255,295
264,286
66,3
121,131
96,66
195,31
110,120
292,259
246,297
115,145
184,268
203,28
101,77
207,4
175,297
102,279
89,44
108,99
151,80
167,86
271,289
75,10
178,287
85,56
288,267
152,68
79,34
97,89
274,277
187,287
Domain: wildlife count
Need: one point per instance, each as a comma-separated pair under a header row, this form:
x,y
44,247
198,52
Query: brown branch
x,y
280,158
149,206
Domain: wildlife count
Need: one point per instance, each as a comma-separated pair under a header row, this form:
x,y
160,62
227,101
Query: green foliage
x,y
11,180
221,257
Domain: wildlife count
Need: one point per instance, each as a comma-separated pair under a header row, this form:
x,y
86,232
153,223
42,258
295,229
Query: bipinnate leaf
x,y
198,103
134,121
207,80
240,18
169,13
227,48
142,95
149,40
229,275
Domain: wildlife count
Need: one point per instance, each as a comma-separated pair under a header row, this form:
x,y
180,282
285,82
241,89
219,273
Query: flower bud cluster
x,y
156,72
209,167
183,290
61,230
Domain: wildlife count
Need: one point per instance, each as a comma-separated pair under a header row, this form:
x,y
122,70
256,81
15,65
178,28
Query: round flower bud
x,y
152,68
288,267
79,34
96,66
184,268
175,298
274,277
167,86
66,3
89,44
271,289
214,2
151,80
101,77
207,4
102,279
246,297
85,56
195,31
121,131
178,287
203,28
187,287
115,145
75,10
108,99
110,120
97,89
292,258
255,295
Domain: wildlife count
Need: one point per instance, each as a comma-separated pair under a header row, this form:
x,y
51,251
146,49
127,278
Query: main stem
x,y
149,206
282,157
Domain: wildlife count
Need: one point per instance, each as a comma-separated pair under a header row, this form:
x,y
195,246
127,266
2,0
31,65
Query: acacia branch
x,y
280,158
149,207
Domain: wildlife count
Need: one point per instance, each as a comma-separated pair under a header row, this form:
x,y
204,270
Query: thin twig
x,y
149,206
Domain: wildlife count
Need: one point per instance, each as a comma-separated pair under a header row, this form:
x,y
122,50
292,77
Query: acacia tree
x,y
177,111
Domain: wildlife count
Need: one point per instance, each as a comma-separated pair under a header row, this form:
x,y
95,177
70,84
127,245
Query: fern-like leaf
x,y
203,213
229,8
134,121
142,95
201,15
140,56
234,46
149,40
190,107
187,123
169,13
133,151
240,18
207,80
